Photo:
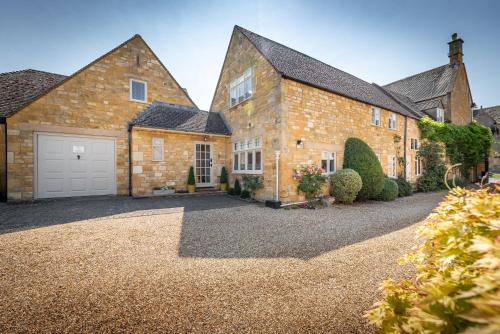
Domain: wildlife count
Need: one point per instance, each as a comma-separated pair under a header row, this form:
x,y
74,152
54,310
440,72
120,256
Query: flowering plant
x,y
311,178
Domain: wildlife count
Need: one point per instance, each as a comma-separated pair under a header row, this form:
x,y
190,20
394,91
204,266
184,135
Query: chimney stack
x,y
456,55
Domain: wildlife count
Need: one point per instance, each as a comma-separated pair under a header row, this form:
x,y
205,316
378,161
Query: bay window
x,y
247,156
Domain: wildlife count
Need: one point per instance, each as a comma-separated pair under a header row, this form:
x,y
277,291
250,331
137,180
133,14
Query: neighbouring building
x,y
123,125
490,117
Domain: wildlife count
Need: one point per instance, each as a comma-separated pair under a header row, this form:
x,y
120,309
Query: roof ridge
x,y
180,106
31,70
414,75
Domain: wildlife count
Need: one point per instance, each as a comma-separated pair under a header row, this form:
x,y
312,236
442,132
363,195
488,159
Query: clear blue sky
x,y
378,41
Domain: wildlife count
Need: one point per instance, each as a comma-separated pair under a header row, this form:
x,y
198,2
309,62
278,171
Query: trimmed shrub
x,y
456,284
404,187
191,181
245,194
346,184
360,157
390,191
459,182
237,187
252,183
223,175
230,191
311,179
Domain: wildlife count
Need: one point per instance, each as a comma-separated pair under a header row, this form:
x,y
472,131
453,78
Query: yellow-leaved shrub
x,y
456,289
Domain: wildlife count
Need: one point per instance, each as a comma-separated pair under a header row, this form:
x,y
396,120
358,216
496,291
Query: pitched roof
x,y
426,85
168,116
21,87
491,112
404,101
297,66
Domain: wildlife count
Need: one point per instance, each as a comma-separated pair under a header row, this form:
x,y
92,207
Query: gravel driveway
x,y
166,266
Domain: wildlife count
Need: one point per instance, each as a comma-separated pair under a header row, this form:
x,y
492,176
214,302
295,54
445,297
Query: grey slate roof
x,y
21,87
297,66
493,113
404,101
160,115
426,85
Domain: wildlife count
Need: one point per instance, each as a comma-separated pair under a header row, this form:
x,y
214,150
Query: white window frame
x,y
328,157
244,149
440,115
393,121
237,88
375,116
414,144
145,90
157,142
393,165
418,166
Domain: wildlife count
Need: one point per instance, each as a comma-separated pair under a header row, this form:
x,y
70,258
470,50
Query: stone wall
x,y
3,170
259,116
95,101
324,121
178,158
460,99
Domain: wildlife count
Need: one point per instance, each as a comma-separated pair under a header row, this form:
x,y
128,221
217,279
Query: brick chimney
x,y
456,55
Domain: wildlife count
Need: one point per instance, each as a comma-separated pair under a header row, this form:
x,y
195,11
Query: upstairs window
x,y
157,149
328,162
138,90
241,89
414,144
376,116
439,115
392,121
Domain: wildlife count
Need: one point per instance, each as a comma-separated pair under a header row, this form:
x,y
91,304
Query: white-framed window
x,y
414,144
418,165
157,150
393,165
138,90
247,156
439,115
329,162
392,121
241,88
376,116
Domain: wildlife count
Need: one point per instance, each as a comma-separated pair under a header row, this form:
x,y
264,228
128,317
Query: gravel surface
x,y
236,269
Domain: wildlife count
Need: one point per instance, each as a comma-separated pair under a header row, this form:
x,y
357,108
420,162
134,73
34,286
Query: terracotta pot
x,y
191,188
223,186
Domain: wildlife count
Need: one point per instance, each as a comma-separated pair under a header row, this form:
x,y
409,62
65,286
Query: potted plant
x,y
223,179
191,184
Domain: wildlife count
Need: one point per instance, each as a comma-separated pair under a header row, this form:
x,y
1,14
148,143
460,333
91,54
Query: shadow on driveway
x,y
16,217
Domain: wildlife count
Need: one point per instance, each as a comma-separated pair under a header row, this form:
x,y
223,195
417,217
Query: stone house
x,y
490,117
301,111
123,125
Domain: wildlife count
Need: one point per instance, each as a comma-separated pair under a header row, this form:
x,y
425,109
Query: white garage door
x,y
75,166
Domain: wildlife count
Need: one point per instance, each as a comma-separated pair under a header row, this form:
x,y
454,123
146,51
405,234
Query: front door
x,y
203,165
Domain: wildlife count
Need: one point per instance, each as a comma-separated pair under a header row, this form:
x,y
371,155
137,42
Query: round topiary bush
x,y
390,191
346,184
360,157
404,187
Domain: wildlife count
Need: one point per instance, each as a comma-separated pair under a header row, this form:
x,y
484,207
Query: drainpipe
x,y
277,156
129,130
3,195
404,146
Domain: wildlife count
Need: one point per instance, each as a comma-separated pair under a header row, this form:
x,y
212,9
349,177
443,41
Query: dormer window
x,y
138,90
241,88
439,115
376,116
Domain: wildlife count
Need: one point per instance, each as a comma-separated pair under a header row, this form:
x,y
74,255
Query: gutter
x,y
138,127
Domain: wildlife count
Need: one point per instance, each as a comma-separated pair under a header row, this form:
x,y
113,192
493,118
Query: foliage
x,y
465,144
360,157
346,184
252,183
434,167
404,187
310,179
459,182
230,191
237,187
191,181
390,191
223,175
245,194
457,286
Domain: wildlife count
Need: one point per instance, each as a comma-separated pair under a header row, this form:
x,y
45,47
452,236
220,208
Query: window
x,y
392,121
414,144
439,115
138,90
392,166
418,165
376,116
241,89
247,156
157,154
328,162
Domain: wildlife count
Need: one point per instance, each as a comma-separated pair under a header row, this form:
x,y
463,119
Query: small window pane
x,y
250,161
258,160
324,165
242,161
332,166
236,163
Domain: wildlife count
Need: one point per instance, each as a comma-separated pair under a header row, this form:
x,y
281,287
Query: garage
x,y
68,166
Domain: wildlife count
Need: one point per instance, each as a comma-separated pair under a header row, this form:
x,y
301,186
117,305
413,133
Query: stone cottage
x,y
123,125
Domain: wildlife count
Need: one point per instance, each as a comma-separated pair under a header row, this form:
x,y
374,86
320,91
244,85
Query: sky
x,y
377,41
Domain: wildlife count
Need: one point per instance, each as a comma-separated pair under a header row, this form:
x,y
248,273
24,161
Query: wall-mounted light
x,y
300,143
205,138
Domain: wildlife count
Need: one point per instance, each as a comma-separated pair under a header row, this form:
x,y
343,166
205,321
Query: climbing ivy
x,y
466,144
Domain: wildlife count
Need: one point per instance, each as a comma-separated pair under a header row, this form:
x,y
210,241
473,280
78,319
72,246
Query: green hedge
x,y
346,184
360,157
390,191
404,187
